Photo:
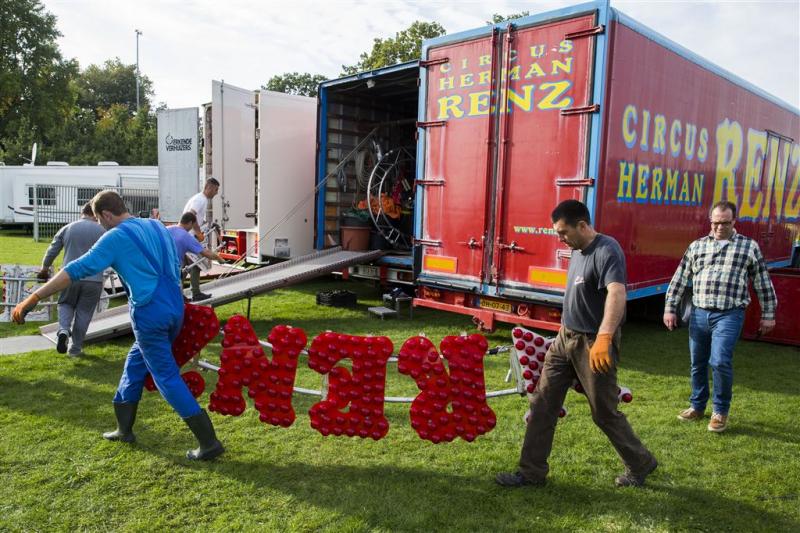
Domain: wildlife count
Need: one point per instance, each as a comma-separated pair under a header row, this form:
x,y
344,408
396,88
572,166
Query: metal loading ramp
x,y
116,321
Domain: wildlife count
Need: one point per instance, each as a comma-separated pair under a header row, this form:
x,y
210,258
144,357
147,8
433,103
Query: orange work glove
x,y
599,356
23,308
201,236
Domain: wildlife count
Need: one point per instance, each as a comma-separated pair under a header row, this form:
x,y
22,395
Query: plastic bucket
x,y
355,238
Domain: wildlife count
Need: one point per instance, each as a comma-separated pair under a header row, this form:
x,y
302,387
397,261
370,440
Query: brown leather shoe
x,y
718,423
691,414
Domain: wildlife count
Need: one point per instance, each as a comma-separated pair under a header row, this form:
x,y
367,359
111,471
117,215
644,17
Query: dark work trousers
x,y
566,360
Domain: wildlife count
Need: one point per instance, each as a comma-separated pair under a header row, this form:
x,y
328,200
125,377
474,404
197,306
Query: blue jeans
x,y
712,336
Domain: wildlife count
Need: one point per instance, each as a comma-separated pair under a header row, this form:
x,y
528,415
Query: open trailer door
x,y
233,155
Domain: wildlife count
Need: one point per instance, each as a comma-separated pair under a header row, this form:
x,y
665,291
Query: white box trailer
x,y
260,146
18,194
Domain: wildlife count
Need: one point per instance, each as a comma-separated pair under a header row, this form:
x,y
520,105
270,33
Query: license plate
x,y
495,305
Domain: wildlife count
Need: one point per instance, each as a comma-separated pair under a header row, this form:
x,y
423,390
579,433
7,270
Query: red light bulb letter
x,y
200,325
361,390
463,388
269,383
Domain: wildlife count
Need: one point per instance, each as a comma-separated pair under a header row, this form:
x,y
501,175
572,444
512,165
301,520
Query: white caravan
x,y
17,195
260,145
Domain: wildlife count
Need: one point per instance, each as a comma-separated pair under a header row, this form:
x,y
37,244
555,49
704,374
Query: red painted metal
x,y
486,318
787,287
515,146
457,212
235,246
534,157
654,234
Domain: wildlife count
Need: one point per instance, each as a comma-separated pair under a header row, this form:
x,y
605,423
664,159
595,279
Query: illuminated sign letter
x,y
270,382
451,404
359,391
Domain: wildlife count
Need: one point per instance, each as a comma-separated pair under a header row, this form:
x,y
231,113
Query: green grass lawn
x,y
57,473
17,246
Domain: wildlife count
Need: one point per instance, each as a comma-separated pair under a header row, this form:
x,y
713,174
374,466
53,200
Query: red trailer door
x,y
458,160
543,150
775,236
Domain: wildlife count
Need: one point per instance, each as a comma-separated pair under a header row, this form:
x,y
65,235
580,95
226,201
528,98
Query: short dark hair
x,y
87,209
108,201
725,206
188,218
212,181
571,212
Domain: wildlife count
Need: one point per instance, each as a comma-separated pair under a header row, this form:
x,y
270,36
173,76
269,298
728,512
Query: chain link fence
x,y
55,206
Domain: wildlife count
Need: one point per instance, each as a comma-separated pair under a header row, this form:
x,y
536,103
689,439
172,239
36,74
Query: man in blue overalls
x,y
143,254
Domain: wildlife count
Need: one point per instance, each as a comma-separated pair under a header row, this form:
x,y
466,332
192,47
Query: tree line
x,y
81,116
87,115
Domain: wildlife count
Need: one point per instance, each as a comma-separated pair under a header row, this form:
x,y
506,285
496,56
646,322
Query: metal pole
x,y
138,33
35,213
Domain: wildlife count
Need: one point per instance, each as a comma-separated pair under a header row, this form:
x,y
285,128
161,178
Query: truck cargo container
x,y
787,288
260,146
586,103
582,103
366,153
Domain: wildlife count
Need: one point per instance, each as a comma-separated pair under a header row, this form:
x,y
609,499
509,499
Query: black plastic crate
x,y
337,298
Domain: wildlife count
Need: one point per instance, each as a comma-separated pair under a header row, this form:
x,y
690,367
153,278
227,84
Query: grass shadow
x,y
399,498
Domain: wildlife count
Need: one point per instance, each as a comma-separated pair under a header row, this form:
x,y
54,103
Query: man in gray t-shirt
x,y
591,271
76,305
587,349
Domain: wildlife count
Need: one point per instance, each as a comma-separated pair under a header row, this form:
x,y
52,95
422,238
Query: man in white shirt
x,y
198,204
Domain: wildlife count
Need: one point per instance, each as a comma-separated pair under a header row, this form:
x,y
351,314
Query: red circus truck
x,y
586,103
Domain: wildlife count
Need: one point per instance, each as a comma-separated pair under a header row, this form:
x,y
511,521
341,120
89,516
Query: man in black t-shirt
x,y
586,348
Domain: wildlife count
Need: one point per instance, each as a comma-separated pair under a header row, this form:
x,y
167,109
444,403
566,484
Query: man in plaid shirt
x,y
718,267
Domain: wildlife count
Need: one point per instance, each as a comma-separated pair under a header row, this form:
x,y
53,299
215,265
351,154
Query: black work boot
x,y
202,428
629,479
126,415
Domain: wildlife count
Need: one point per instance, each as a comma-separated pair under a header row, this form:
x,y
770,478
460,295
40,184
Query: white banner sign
x,y
177,160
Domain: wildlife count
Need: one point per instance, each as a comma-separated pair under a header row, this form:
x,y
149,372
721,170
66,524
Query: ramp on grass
x,y
116,321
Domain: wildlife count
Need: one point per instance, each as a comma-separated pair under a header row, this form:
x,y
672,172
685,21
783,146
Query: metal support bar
x,y
471,243
771,133
35,213
428,242
575,182
582,110
205,365
39,304
431,124
512,246
249,301
597,30
432,182
431,62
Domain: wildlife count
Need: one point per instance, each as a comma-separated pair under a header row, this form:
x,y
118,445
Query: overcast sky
x,y
185,44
